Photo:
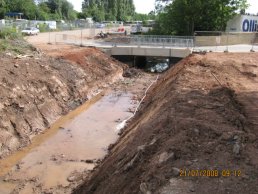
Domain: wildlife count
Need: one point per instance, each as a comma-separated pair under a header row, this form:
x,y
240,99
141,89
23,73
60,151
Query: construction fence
x,y
132,40
210,38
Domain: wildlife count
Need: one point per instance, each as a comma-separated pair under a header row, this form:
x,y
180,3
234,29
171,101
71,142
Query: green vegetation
x,y
173,17
9,33
183,17
40,9
100,10
57,10
3,45
8,45
144,17
43,27
12,41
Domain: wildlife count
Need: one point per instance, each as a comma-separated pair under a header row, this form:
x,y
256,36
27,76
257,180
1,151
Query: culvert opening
x,y
149,64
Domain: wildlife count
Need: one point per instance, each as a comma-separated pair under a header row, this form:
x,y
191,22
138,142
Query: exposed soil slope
x,y
36,89
201,115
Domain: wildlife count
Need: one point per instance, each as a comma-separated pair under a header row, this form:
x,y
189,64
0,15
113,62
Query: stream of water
x,y
73,144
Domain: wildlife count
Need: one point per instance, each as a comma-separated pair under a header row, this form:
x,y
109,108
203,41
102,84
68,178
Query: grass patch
x,y
11,41
18,46
7,45
3,45
9,33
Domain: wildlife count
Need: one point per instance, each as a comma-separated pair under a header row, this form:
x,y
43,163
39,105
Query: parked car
x,y
136,29
100,25
30,31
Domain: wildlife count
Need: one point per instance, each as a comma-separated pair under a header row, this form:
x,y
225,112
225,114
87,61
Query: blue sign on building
x,y
249,25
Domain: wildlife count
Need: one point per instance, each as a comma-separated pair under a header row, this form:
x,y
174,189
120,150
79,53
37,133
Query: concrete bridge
x,y
141,45
171,46
149,51
164,46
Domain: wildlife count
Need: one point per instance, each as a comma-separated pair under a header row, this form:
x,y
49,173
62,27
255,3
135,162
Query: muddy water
x,y
72,146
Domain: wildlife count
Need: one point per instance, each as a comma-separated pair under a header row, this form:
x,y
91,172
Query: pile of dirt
x,y
37,89
132,72
195,133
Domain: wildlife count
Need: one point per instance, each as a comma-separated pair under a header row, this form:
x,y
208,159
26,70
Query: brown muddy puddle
x,y
75,147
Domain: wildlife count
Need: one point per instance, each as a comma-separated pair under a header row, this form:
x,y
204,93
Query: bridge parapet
x,y
151,51
168,41
135,40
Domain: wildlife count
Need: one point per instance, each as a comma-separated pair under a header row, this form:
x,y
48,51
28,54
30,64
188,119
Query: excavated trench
x,y
200,116
67,152
60,150
70,148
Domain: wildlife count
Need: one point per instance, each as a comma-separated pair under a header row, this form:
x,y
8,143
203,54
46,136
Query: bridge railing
x,y
138,40
171,41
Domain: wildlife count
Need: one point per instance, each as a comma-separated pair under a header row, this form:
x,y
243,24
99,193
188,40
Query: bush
x,y
43,28
3,45
9,33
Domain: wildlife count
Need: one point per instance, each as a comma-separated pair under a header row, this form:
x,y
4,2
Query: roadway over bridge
x,y
165,46
162,46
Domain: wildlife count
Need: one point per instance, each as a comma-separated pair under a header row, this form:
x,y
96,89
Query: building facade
x,y
243,23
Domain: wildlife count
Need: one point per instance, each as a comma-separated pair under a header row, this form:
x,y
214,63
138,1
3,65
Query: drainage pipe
x,y
121,125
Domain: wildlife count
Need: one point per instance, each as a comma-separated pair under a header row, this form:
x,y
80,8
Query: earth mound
x,y
37,89
196,132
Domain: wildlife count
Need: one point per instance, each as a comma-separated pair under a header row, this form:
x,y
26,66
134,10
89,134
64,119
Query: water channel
x,y
73,144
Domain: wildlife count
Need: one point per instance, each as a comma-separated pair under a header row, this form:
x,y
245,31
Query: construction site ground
x,y
195,133
196,130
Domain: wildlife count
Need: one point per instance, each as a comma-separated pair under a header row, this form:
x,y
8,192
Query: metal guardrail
x,y
171,41
151,41
163,41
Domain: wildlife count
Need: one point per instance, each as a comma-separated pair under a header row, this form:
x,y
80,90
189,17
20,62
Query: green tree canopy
x,y
183,17
108,9
3,8
39,9
58,9
27,7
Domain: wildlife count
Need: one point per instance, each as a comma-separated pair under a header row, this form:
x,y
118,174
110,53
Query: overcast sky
x,y
145,6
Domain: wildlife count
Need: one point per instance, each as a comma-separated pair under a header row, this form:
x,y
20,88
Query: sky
x,y
145,6
142,6
253,7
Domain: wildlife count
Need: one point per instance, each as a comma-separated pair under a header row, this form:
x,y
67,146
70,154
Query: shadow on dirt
x,y
190,130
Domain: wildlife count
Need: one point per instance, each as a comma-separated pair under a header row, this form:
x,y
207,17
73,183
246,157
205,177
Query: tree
x,y
67,10
183,17
27,7
39,9
56,10
108,9
3,8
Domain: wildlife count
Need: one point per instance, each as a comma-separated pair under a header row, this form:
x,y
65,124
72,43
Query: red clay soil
x,y
37,89
195,133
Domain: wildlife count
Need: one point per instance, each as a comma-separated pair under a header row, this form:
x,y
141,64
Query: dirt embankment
x,y
202,115
36,89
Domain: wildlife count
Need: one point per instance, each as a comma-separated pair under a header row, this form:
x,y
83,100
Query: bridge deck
x,y
150,51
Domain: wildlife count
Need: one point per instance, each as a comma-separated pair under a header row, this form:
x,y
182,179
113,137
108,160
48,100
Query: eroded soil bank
x,y
47,144
202,115
64,156
36,89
